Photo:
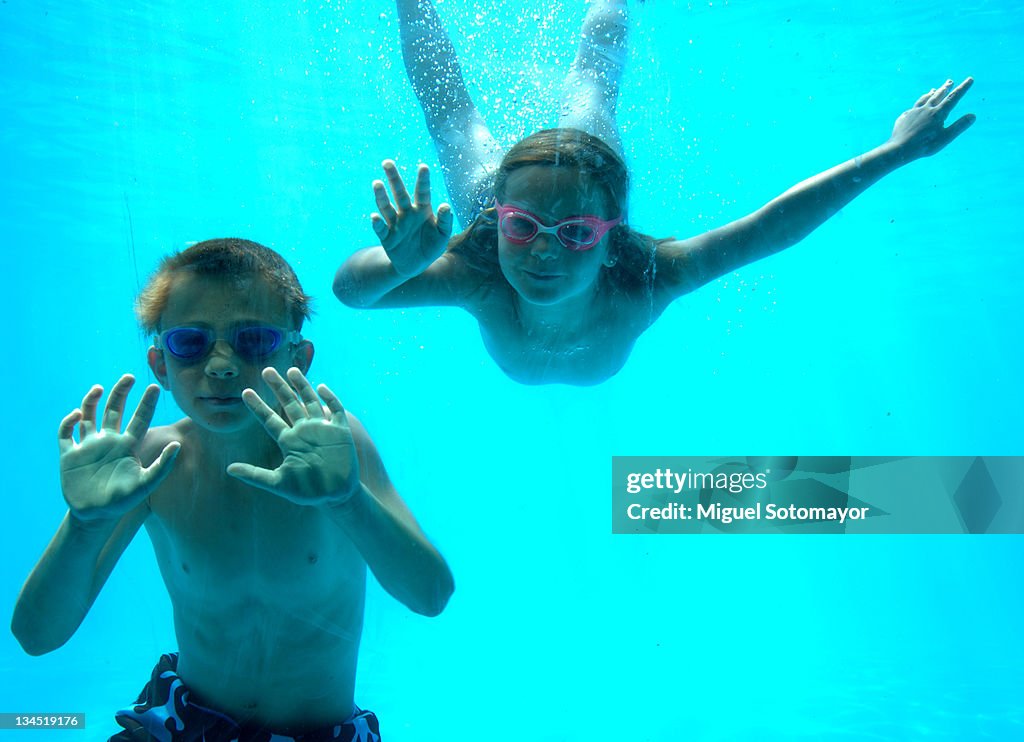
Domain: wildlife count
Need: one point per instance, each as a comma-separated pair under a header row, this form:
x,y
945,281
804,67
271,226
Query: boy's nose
x,y
222,362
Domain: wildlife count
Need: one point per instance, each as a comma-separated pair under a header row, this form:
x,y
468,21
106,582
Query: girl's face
x,y
543,271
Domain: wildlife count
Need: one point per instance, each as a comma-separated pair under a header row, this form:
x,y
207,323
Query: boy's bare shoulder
x,y
360,436
157,438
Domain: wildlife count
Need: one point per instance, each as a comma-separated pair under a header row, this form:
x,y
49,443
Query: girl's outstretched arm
x,y
410,266
465,147
684,265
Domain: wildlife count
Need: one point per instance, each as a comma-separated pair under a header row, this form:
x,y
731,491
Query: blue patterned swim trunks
x,y
166,713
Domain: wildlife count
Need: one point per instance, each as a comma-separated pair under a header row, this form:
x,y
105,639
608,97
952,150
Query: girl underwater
x,y
558,281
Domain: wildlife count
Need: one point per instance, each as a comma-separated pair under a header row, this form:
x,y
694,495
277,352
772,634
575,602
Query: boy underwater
x,y
265,505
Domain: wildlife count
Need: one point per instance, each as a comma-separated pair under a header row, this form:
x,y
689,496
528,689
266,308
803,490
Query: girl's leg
x,y
591,90
468,153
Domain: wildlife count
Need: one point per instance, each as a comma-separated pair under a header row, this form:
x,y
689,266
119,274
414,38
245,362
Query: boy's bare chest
x,y
220,535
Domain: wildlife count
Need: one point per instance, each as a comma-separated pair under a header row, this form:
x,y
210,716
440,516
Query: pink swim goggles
x,y
577,233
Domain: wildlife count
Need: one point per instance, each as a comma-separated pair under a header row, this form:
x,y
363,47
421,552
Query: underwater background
x,y
895,329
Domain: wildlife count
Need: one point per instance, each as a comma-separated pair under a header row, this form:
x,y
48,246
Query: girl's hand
x,y
408,230
921,131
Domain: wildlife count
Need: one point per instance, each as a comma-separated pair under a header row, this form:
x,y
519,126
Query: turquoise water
x,y
893,330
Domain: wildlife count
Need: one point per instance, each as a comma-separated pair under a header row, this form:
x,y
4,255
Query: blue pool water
x,y
895,329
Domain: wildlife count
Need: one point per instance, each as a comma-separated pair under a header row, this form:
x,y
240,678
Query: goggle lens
x,y
575,233
187,342
580,235
518,228
253,343
256,342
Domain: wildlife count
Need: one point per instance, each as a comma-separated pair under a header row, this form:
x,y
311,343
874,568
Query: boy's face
x,y
208,388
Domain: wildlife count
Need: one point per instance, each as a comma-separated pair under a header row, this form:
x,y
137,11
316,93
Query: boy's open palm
x,y
320,463
410,234
101,474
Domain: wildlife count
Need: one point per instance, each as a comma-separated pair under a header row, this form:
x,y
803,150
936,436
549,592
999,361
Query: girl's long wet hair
x,y
632,251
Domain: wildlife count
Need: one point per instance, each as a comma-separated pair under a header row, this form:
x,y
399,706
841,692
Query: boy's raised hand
x,y
320,465
101,474
921,131
408,230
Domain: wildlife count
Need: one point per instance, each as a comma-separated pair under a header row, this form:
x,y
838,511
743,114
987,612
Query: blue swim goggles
x,y
251,342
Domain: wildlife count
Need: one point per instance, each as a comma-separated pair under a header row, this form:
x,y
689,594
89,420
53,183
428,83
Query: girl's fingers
x,y
958,92
421,192
402,200
380,197
959,126
940,94
445,220
380,227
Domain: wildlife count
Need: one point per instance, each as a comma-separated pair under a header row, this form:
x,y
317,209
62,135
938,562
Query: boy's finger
x,y
157,472
314,407
113,412
254,476
333,404
144,412
290,403
89,404
66,431
269,419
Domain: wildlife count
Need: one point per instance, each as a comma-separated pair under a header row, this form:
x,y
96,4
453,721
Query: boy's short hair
x,y
227,258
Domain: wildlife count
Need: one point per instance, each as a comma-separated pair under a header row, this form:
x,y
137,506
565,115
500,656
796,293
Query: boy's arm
x,y
410,267
329,462
384,530
106,487
65,582
684,265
